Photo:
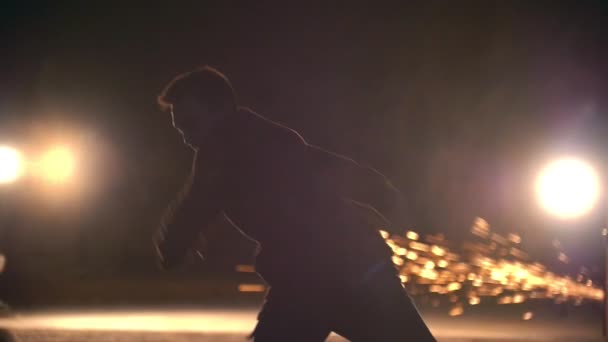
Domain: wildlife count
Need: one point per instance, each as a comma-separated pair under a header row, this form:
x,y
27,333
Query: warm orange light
x,y
397,260
437,250
454,287
518,298
568,188
412,235
442,263
412,255
207,321
245,268
251,288
11,164
57,165
456,311
482,273
474,300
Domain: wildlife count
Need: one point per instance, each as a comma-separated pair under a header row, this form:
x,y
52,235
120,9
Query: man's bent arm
x,y
366,188
195,208
373,191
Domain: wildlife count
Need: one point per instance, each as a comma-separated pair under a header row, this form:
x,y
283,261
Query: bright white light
x,y
567,188
57,165
223,321
11,164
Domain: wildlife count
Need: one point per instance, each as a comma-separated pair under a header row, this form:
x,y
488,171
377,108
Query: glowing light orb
x,y
456,311
57,165
567,188
11,165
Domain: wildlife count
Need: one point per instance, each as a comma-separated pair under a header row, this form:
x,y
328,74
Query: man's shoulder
x,y
264,127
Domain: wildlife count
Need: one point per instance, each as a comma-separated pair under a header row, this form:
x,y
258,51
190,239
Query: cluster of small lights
x,y
490,269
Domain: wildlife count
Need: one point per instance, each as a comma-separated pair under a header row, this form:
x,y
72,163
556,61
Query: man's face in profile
x,y
192,119
179,125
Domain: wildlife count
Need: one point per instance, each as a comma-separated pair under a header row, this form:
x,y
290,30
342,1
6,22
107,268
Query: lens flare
x,y
568,188
57,165
11,165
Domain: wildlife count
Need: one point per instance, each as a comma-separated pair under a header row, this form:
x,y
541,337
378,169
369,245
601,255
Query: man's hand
x,y
199,249
169,258
159,246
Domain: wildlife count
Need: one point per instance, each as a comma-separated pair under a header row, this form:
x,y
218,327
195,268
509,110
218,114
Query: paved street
x,y
227,325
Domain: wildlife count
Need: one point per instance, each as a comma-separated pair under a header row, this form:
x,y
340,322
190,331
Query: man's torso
x,y
287,198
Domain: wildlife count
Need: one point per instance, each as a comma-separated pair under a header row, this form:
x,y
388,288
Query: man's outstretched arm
x,y
195,208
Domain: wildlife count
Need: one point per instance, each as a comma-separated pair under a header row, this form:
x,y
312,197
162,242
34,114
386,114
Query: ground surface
x,y
225,324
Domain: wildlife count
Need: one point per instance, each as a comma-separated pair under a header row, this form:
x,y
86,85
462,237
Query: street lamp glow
x,y
11,165
58,165
568,188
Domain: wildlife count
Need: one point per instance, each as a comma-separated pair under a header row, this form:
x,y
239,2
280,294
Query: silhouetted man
x,y
327,266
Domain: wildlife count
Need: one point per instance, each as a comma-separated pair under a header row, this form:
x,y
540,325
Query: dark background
x,y
459,103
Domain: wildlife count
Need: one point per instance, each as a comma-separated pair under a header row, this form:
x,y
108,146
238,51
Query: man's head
x,y
197,100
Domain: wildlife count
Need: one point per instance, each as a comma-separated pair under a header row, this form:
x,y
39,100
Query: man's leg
x,y
289,317
381,310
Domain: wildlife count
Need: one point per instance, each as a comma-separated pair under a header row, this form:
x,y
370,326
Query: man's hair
x,y
206,83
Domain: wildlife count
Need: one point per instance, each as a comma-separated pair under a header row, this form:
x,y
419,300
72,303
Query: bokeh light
x,y
490,265
490,268
11,164
57,165
568,188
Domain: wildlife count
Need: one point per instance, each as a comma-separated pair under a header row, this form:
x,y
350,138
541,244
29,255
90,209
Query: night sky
x,y
459,105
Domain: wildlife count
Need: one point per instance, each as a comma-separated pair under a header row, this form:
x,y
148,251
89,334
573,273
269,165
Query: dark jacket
x,y
307,207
